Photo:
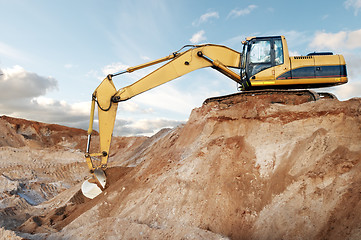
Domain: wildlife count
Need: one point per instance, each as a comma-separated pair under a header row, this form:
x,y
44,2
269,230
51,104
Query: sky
x,y
53,54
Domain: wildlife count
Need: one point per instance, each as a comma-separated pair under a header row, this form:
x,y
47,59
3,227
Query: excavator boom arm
x,y
185,62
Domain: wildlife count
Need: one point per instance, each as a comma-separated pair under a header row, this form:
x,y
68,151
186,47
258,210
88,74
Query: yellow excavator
x,y
263,64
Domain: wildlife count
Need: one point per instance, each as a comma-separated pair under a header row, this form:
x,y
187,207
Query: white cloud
x,y
354,39
77,115
144,127
168,98
198,37
346,40
293,53
50,105
106,70
43,101
323,40
23,96
241,12
17,83
153,124
48,110
133,107
355,4
129,106
205,18
78,108
347,91
113,68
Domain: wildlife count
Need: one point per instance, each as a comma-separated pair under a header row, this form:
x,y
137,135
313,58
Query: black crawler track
x,y
314,96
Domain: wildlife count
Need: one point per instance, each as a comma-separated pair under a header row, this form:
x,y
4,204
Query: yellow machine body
x,y
267,64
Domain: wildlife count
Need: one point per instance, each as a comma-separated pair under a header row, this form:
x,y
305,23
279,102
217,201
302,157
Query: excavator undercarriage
x,y
282,96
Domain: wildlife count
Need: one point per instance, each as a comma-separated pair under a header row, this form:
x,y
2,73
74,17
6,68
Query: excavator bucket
x,y
95,185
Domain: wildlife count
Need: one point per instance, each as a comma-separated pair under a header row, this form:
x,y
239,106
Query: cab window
x,y
278,52
260,52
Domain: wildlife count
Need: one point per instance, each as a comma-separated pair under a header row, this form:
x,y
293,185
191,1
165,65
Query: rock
x,y
9,235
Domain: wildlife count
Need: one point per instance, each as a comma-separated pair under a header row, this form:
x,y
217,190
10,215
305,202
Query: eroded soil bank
x,y
248,167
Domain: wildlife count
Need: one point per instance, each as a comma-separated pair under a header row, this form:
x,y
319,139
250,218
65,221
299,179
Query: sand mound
x,y
247,167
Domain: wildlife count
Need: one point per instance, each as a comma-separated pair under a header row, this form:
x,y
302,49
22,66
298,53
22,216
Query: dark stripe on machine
x,y
315,71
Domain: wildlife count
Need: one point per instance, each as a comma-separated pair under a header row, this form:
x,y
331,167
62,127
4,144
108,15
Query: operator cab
x,y
260,53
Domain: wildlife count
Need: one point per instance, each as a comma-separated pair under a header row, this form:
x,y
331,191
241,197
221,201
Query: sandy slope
x,y
242,168
38,162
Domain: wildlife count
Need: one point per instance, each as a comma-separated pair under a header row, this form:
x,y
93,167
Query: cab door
x,y
259,59
265,60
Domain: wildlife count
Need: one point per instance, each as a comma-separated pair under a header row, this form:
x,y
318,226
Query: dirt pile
x,y
39,161
15,132
247,167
